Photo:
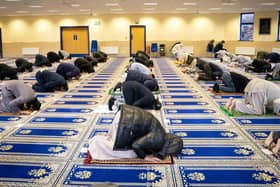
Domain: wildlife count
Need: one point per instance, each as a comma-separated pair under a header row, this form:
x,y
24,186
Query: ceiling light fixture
x,y
268,4
75,5
247,9
150,4
12,0
111,4
181,9
85,10
35,6
190,4
214,8
21,11
117,9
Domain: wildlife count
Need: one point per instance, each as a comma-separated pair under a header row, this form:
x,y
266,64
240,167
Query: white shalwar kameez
x,y
259,96
101,146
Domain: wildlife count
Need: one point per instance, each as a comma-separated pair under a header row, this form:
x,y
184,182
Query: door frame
x,y
74,27
130,37
1,46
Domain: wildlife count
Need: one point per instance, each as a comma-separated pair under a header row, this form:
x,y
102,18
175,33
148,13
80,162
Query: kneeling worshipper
x,y
48,81
272,142
210,72
68,71
23,65
136,94
275,75
131,75
260,96
7,72
19,98
140,68
84,65
134,133
232,82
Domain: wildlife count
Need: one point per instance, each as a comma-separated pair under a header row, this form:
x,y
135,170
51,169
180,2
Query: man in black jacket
x,y
219,46
41,60
84,65
134,133
48,81
7,72
68,71
232,82
23,65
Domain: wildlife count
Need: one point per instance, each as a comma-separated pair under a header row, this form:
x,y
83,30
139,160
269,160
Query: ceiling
x,y
95,7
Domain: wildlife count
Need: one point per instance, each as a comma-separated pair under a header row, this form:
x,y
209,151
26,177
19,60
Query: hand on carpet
x,y
151,158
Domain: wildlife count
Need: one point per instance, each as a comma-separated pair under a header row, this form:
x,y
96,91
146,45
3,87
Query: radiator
x,y
30,51
245,51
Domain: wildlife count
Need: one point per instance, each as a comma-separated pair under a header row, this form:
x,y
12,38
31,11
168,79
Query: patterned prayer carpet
x,y
48,147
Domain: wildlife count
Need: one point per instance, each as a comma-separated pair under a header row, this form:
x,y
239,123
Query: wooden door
x,y
1,47
137,38
75,40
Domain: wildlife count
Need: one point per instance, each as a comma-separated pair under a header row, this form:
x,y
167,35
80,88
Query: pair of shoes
x,y
216,87
268,77
111,102
196,76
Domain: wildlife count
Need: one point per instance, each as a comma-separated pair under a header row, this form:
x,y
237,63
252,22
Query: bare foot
x,y
276,149
232,106
229,103
268,140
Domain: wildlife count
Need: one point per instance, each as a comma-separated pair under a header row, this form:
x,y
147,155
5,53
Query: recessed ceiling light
x,y
53,10
228,4
21,11
247,9
111,4
12,0
35,6
84,10
190,4
150,4
214,8
268,4
181,9
1,7
149,9
75,5
117,9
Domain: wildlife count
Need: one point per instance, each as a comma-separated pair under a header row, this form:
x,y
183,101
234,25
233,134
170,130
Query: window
x,y
246,26
278,35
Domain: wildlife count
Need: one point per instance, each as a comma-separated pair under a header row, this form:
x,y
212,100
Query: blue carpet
x,y
130,176
68,110
195,121
87,91
45,132
178,91
259,121
204,134
259,134
43,119
61,102
32,149
178,103
165,96
226,176
9,118
227,96
104,121
81,96
189,111
215,151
